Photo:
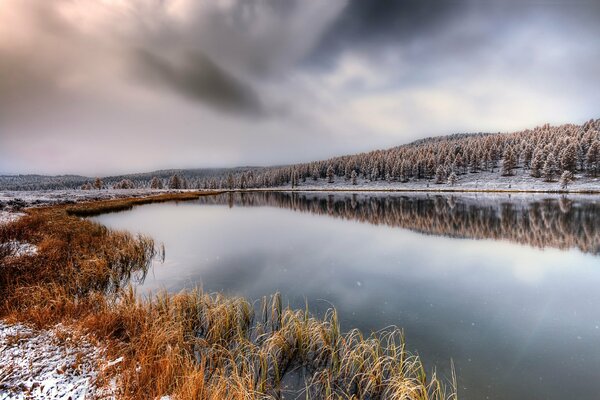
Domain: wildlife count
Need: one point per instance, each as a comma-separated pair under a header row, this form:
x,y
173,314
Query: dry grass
x,y
190,345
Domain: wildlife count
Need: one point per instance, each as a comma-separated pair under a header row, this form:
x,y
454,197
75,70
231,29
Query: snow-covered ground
x,y
7,216
17,200
480,181
49,364
19,249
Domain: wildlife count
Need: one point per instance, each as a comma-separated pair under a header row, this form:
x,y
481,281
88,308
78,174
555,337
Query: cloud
x,y
187,83
201,79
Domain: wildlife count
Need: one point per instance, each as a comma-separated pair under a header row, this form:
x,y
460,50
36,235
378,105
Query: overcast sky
x,y
102,87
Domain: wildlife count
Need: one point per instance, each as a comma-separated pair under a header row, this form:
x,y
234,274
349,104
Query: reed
x,y
191,345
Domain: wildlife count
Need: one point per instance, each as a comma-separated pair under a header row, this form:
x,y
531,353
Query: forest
x,y
546,153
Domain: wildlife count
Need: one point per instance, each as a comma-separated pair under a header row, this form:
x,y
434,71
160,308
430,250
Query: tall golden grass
x,y
191,345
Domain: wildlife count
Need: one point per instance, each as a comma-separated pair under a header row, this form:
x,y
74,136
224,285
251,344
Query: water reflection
x,y
557,222
517,312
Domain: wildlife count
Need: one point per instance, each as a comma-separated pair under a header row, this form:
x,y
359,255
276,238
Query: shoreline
x,y
82,278
416,190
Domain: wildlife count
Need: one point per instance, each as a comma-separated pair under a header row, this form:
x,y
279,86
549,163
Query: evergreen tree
x,y
353,177
156,183
550,168
98,183
565,179
230,182
537,163
592,159
175,182
330,174
452,179
568,158
440,175
509,162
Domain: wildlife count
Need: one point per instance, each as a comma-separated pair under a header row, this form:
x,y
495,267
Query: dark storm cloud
x,y
199,78
384,21
370,25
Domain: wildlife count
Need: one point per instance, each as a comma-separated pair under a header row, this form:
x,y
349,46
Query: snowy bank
x,y
49,364
521,181
14,201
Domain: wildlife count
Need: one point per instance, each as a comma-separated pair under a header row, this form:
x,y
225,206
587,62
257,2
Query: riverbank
x,y
192,344
484,182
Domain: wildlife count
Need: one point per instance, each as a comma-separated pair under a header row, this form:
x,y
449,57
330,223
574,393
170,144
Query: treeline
x,y
559,223
545,152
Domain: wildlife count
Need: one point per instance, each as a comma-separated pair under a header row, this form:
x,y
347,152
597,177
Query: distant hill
x,y
544,152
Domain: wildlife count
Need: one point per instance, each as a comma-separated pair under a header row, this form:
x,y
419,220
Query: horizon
x,y
183,84
157,170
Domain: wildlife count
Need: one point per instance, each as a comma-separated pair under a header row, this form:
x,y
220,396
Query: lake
x,y
506,286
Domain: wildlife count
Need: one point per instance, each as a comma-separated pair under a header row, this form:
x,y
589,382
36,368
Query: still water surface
x,y
506,287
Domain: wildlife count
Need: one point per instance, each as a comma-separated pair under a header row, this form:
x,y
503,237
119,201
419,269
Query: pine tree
x,y
592,159
565,179
550,168
353,177
568,158
230,181
156,183
452,179
440,175
330,174
315,173
175,182
374,173
537,163
509,162
98,183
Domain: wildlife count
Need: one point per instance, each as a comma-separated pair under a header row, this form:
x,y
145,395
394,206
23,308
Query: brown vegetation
x,y
190,345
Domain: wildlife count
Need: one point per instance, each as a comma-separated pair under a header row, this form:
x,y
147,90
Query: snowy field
x,y
50,364
17,200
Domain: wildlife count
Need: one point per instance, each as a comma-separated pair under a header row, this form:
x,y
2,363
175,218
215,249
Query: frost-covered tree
x,y
330,174
353,177
156,183
440,175
550,168
537,163
509,161
568,158
592,159
175,182
565,179
124,184
452,179
98,184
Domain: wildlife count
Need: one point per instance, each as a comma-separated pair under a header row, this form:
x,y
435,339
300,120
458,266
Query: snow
x,y
17,200
49,364
480,181
7,217
19,249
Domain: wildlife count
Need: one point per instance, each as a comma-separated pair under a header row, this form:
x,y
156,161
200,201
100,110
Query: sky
x,y
102,87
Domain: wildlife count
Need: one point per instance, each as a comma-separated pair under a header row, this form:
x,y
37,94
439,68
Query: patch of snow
x,y
13,200
7,217
48,364
19,249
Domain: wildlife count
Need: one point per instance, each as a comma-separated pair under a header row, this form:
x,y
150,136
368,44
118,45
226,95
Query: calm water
x,y
507,287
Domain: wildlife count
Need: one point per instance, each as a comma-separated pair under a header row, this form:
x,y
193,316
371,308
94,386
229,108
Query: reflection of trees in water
x,y
559,223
